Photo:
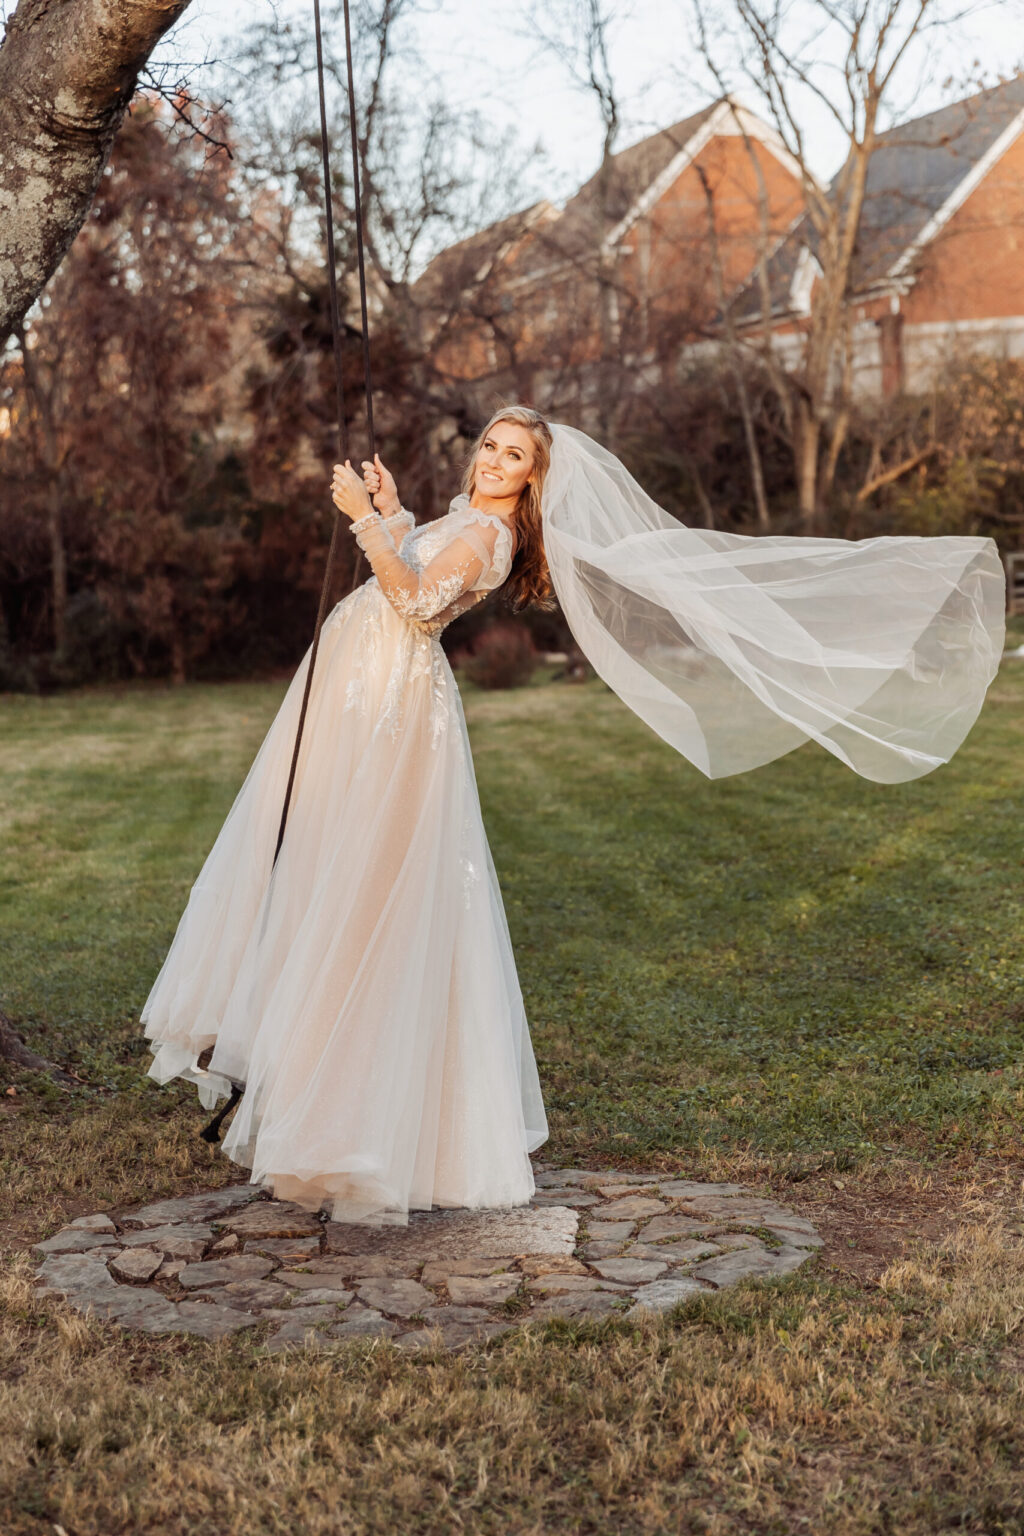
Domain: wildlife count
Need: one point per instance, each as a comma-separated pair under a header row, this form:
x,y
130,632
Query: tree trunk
x,y
178,665
808,434
58,569
67,74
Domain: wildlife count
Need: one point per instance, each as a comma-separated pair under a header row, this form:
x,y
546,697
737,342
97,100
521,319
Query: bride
x,y
363,988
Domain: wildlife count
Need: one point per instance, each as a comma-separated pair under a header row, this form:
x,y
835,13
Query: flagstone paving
x,y
590,1244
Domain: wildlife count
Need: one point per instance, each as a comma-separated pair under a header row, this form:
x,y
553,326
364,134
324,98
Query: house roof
x,y
919,174
578,230
469,261
584,223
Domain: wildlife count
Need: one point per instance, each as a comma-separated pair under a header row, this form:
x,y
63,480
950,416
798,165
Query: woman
x,y
364,990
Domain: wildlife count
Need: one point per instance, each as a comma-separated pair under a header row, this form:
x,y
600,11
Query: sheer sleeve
x,y
455,570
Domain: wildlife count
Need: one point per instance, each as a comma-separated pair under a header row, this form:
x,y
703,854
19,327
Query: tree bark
x,y
806,440
67,74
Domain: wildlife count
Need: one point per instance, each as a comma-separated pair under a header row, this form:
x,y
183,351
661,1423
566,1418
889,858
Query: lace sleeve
x,y
419,596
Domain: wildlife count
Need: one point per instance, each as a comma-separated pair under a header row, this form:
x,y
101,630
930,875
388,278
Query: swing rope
x,y
343,447
211,1132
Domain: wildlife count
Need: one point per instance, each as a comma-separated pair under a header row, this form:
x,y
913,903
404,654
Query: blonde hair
x,y
528,581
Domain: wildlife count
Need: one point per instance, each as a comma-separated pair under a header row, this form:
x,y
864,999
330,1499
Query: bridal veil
x,y
736,649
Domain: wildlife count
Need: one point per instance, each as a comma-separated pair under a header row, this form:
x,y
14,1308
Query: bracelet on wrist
x,y
364,522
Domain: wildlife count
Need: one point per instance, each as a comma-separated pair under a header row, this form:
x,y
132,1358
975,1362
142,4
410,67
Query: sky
x,y
488,52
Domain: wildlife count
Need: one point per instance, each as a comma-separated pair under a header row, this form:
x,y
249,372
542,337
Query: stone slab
x,y
238,1266
307,1317
297,1335
458,1335
249,1295
326,1293
632,1208
587,1304
610,1231
686,1251
593,1178
559,1285
307,1280
438,1270
484,1290
224,1245
672,1226
751,1263
200,1207
545,1266
209,1321
455,1233
272,1218
175,1240
601,1250
730,1241
97,1223
577,1198
743,1211
631,1271
134,1307
75,1240
366,1265
68,1273
795,1232
662,1295
282,1249
688,1189
443,1316
399,1298
136,1264
364,1325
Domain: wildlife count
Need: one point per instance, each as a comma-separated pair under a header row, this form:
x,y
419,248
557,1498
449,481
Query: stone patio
x,y
590,1244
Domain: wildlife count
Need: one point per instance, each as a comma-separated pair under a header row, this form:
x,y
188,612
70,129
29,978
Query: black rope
x,y
357,206
343,450
211,1132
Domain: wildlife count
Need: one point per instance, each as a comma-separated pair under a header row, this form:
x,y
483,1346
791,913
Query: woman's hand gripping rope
x,y
351,495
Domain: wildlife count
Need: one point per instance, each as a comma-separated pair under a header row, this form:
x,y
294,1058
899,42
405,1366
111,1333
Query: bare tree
x,y
67,75
578,34
758,43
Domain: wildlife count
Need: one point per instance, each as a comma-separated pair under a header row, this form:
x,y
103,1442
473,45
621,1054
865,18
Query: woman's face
x,y
504,462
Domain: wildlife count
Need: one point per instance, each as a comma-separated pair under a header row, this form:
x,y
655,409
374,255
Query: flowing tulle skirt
x,y
364,989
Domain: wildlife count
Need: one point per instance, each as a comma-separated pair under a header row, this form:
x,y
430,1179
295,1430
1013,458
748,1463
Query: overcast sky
x,y
485,51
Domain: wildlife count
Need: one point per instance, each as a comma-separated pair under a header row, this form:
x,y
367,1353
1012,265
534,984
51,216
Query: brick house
x,y
633,268
939,270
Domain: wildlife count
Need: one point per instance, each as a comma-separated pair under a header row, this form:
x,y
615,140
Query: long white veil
x,y
737,649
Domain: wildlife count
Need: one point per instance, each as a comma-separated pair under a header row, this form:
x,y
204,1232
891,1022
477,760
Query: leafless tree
x,y
578,34
782,55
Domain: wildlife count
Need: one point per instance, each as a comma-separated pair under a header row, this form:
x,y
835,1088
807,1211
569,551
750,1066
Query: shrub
x,y
503,657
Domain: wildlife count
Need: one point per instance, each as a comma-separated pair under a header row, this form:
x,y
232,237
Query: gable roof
x,y
919,174
469,262
630,173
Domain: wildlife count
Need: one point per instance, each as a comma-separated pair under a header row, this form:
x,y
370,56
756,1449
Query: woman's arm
x,y
415,595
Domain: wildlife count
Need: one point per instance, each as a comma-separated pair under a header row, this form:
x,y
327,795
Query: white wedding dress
x,y
364,988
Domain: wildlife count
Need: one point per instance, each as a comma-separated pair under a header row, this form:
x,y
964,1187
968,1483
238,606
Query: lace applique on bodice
x,y
427,576
433,573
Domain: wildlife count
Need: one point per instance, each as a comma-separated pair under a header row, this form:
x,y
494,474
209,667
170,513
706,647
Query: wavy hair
x,y
528,582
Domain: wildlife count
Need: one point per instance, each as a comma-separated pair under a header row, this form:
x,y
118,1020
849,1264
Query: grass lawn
x,y
794,978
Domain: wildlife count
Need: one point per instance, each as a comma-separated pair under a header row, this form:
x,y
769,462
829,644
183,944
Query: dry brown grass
x,y
799,1406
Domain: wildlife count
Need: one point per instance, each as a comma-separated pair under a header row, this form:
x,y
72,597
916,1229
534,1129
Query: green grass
x,y
791,962
773,978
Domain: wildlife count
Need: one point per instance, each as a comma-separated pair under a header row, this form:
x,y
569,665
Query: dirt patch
x,y
871,1218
